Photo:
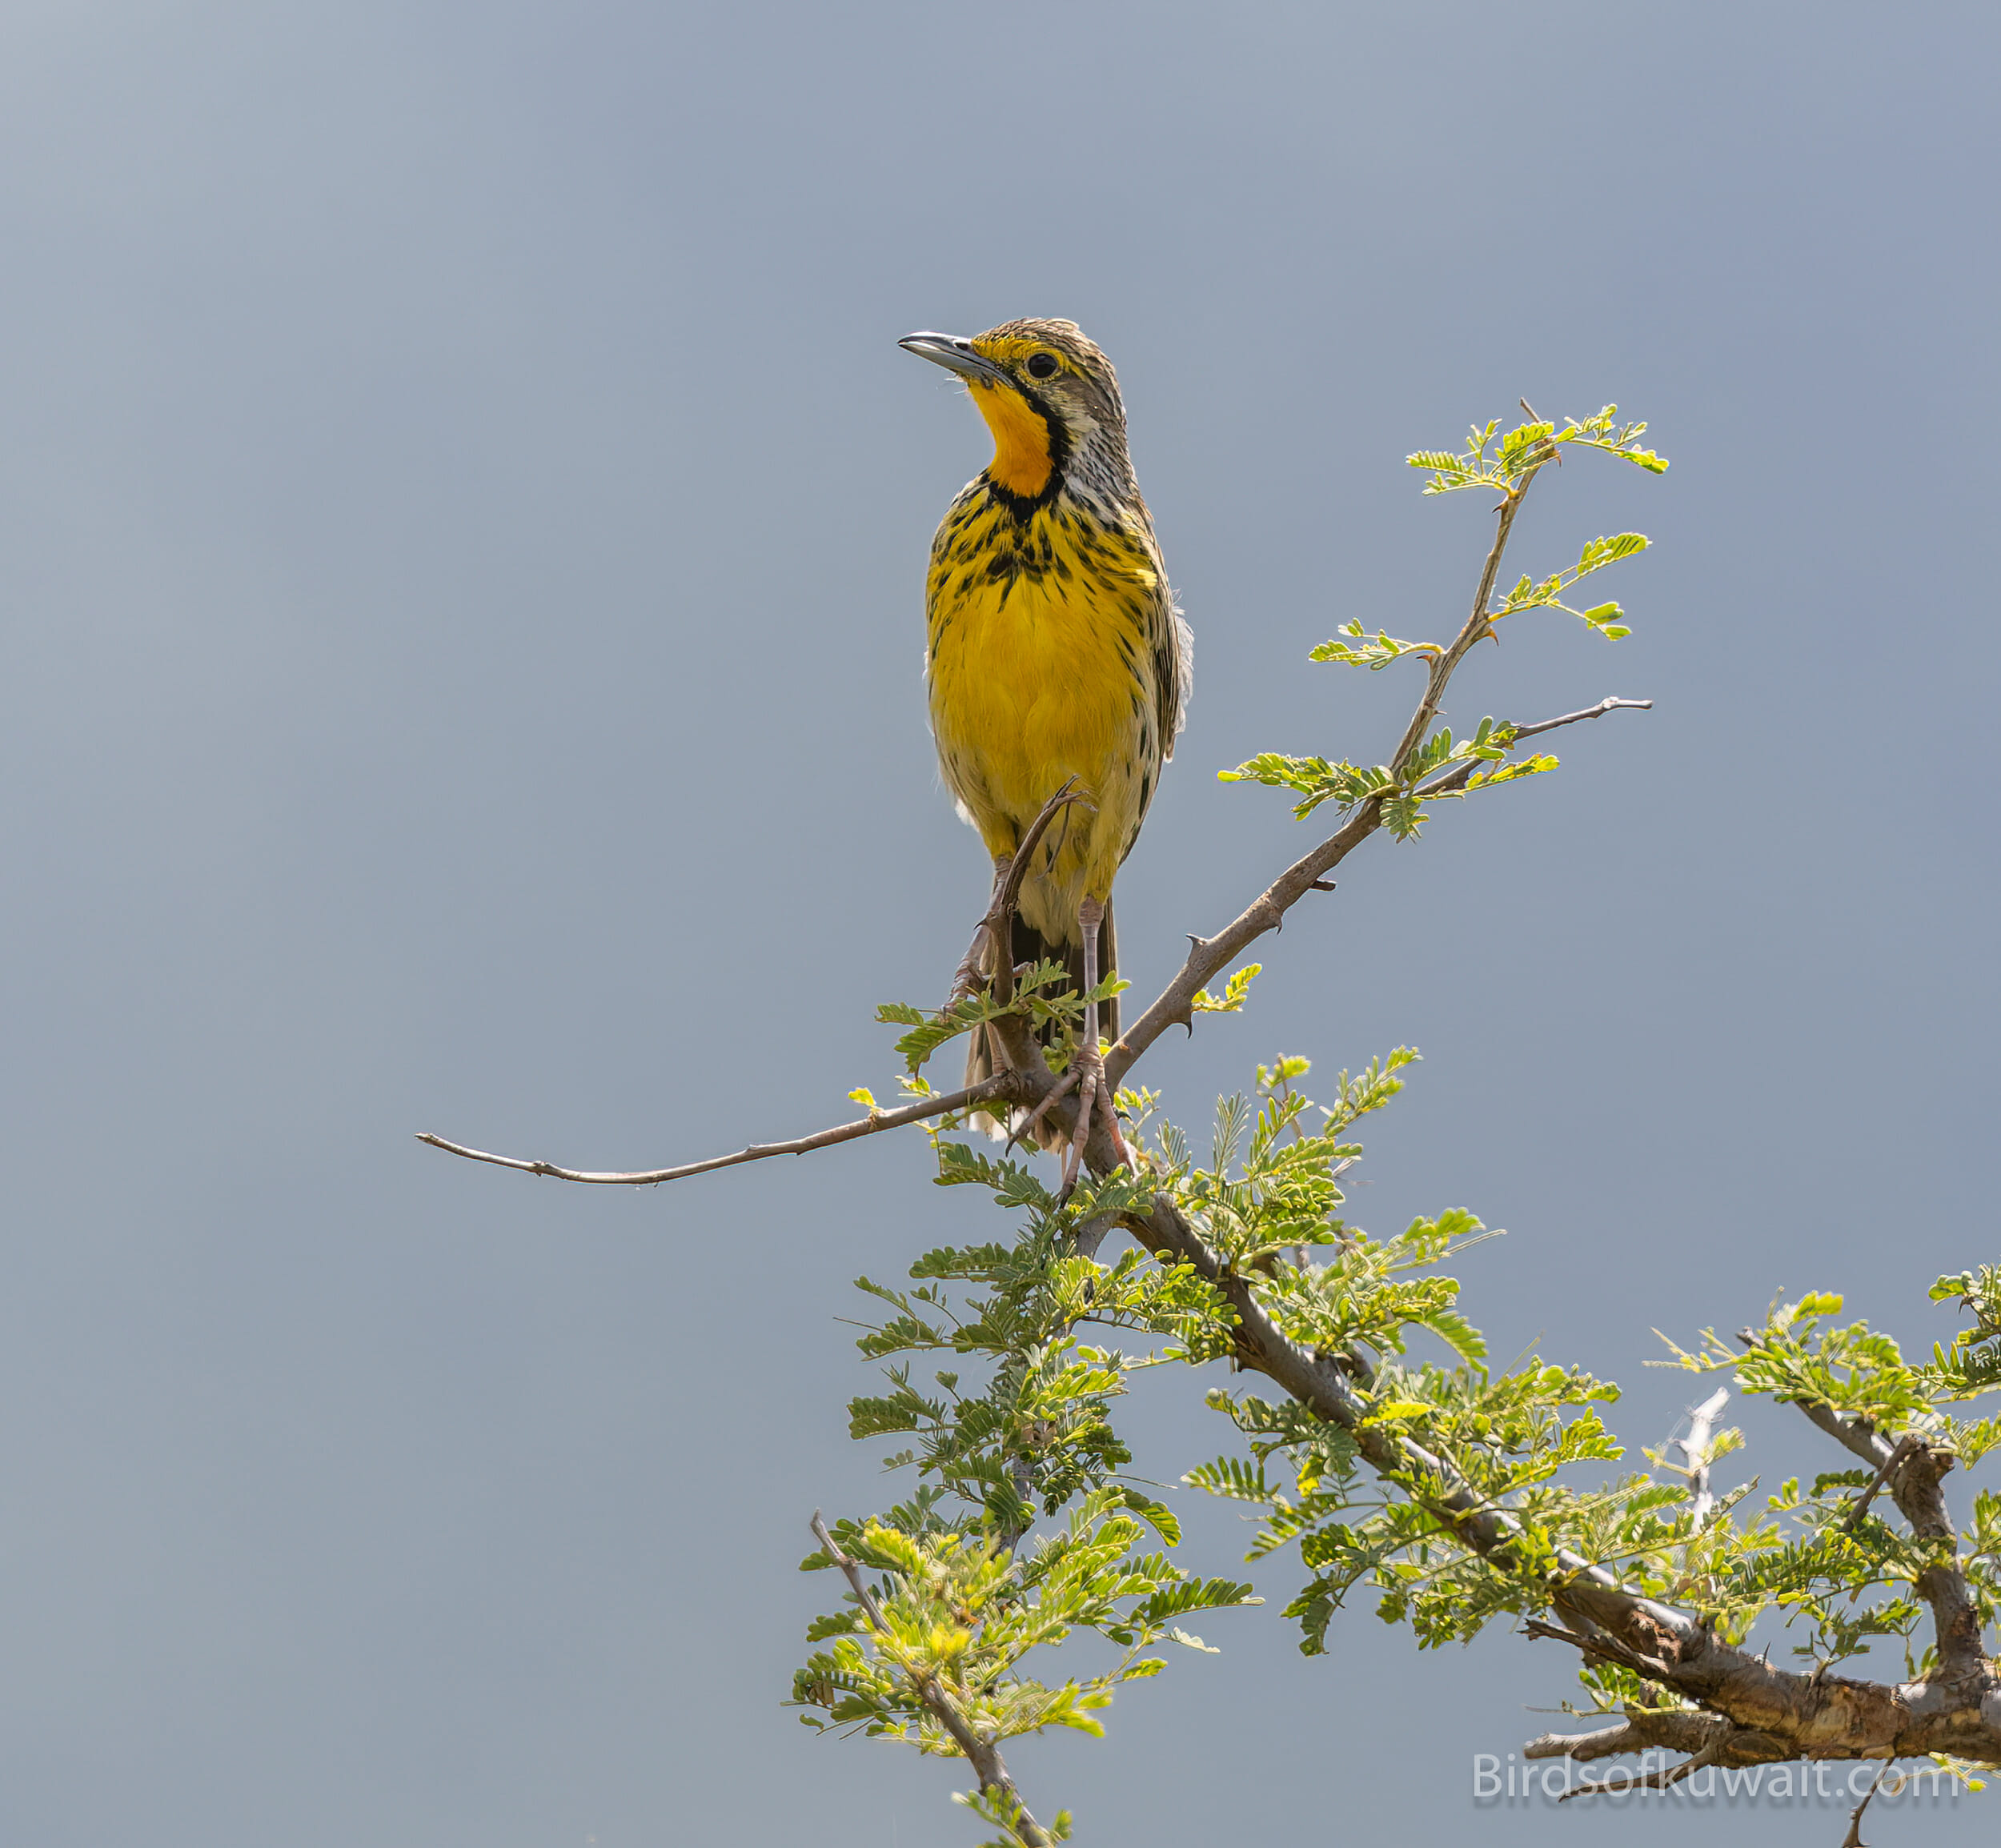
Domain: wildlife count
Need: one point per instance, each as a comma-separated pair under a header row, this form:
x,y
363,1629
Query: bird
x,y
1055,655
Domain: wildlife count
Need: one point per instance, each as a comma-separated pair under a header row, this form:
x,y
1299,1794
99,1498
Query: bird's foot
x,y
1094,1103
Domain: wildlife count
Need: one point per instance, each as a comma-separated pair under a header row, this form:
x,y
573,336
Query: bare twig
x,y
1453,781
1007,893
1702,1427
981,1753
1608,705
1001,1085
1901,1450
1010,892
1208,956
1026,1083
1662,1780
1853,1838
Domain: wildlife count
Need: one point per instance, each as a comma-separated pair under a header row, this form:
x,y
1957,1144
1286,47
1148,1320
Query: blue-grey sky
x,y
462,521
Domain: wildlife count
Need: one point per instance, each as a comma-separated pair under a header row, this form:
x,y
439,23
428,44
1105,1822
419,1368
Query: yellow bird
x,y
1053,652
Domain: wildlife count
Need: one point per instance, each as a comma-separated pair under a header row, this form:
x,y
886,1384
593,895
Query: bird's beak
x,y
955,353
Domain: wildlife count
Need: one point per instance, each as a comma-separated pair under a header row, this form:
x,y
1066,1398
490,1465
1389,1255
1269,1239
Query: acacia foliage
x,y
1005,1362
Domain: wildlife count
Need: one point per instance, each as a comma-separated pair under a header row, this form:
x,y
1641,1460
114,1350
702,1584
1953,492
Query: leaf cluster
x,y
959,1608
965,1596
1454,766
1038,997
1500,466
1839,1572
1439,765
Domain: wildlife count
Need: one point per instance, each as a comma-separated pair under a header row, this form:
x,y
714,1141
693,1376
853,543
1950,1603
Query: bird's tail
x,y
1031,947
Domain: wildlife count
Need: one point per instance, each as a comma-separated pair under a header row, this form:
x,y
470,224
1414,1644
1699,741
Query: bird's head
x,y
1051,400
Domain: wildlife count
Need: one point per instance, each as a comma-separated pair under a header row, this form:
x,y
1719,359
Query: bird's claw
x,y
1094,1100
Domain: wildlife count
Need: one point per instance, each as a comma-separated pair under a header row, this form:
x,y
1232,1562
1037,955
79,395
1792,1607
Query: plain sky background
x,y
462,513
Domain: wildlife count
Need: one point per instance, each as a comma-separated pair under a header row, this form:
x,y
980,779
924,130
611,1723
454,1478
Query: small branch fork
x,y
1912,1470
981,1753
1208,956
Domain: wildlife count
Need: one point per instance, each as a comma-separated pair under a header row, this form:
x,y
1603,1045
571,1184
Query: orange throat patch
x,y
1022,463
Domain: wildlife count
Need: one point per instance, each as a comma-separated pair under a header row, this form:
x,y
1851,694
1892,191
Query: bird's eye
x,y
1041,366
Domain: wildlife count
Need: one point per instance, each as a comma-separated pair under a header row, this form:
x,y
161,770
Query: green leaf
x,y
1235,991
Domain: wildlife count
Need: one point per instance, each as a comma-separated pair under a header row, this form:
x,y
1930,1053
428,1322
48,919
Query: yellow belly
x,y
1035,680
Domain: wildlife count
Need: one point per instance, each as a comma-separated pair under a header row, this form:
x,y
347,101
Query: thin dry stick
x,y
1702,1427
1000,912
1853,1838
1861,1508
980,1754
1455,780
1002,1085
1661,1780
1007,893
1598,711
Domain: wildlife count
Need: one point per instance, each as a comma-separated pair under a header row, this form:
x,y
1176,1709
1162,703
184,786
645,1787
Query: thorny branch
x,y
1772,1713
1912,1470
981,1753
1853,1838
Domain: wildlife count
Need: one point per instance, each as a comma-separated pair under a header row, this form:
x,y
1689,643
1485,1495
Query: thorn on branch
x,y
1853,1838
